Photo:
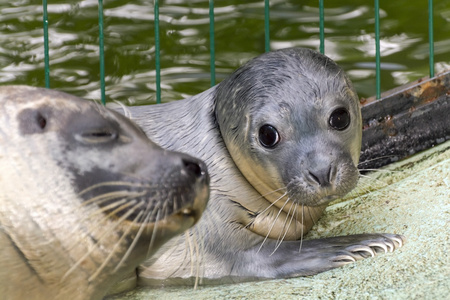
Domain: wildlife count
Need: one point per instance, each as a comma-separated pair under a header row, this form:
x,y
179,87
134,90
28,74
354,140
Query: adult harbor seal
x,y
85,196
281,138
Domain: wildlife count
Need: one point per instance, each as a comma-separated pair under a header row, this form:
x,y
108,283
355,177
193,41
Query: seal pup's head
x,y
85,196
291,122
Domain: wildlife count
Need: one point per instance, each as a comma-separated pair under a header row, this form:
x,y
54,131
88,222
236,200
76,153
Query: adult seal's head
x,y
292,124
85,196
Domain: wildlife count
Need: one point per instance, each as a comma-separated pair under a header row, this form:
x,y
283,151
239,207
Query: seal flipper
x,y
315,256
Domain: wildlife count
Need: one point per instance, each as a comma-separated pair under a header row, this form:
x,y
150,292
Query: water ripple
x,y
130,45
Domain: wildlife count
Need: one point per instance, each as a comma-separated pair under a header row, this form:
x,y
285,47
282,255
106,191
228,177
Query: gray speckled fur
x,y
296,90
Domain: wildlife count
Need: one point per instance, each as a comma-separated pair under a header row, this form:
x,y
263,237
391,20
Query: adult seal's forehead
x,y
28,96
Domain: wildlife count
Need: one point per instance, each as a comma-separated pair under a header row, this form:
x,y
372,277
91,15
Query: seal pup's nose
x,y
321,176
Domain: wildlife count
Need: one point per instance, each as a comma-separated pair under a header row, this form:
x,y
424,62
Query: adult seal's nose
x,y
194,167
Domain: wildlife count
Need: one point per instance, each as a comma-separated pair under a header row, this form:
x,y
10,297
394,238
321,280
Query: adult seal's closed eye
x,y
281,138
85,196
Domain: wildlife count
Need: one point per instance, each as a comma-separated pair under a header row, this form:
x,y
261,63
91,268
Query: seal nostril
x,y
330,175
193,167
316,179
322,177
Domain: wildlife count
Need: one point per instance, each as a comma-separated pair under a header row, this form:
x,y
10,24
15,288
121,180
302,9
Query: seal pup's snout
x,y
320,168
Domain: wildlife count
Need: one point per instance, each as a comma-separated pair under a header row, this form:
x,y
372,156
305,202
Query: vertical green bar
x,y
157,58
102,53
431,37
212,49
46,54
377,49
322,27
267,25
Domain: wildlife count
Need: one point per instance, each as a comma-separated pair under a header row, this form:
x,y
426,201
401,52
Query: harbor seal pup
x,y
281,138
85,196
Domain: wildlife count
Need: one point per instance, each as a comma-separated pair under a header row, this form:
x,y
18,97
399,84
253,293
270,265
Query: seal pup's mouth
x,y
292,210
329,198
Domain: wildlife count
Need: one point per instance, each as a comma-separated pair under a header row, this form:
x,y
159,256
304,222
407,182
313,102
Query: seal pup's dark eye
x,y
339,119
268,136
98,136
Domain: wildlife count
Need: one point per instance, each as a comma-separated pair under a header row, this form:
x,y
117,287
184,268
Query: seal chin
x,y
328,199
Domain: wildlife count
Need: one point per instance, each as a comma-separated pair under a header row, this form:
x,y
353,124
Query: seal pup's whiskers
x,y
105,197
375,159
368,186
274,221
379,170
271,204
301,230
279,241
99,210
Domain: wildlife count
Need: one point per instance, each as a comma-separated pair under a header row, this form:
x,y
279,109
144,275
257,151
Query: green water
x,y
129,42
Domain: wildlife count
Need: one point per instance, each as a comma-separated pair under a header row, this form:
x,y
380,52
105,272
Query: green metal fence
x,y
212,42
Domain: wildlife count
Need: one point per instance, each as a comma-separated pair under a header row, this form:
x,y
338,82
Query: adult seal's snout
x,y
196,168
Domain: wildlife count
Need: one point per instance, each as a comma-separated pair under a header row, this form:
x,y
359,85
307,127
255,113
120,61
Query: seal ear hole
x,y
41,121
339,119
268,136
